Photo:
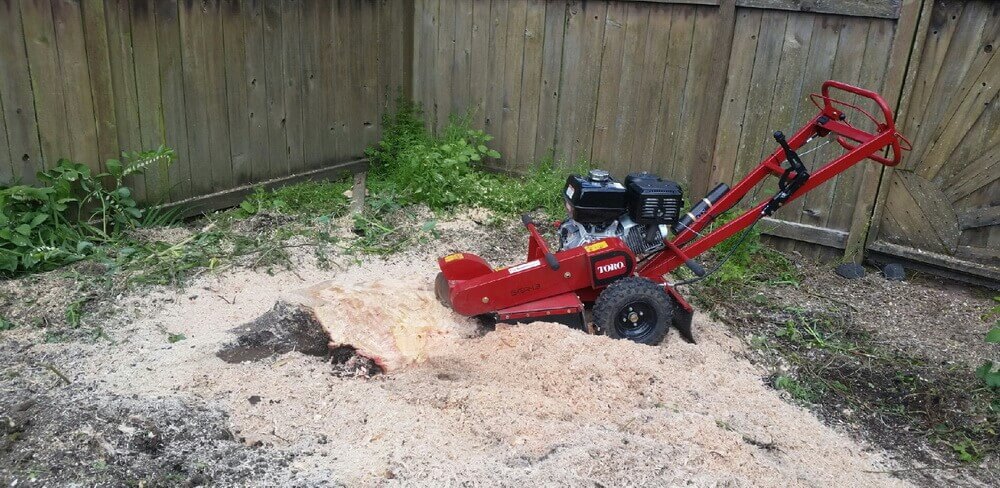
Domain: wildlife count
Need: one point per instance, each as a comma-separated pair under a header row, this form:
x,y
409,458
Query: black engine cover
x,y
652,200
594,202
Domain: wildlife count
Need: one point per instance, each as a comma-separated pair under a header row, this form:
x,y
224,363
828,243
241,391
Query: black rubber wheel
x,y
636,309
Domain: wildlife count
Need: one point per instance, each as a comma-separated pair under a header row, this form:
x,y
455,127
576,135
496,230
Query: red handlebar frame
x,y
829,121
887,124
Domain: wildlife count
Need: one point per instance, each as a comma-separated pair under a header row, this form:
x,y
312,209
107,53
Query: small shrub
x,y
446,171
71,213
987,371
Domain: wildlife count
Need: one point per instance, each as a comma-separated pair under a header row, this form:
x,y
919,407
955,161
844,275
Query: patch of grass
x,y
310,199
825,361
796,389
174,338
6,324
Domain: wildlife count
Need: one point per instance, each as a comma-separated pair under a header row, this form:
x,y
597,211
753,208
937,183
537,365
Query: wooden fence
x,y
244,91
693,89
253,91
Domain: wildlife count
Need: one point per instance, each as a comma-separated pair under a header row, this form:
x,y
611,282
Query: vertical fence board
x,y
493,115
531,84
548,102
237,104
147,83
74,75
18,102
513,77
605,134
99,64
46,80
582,58
173,96
628,107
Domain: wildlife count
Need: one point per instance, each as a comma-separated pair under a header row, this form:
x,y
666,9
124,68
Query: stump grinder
x,y
621,239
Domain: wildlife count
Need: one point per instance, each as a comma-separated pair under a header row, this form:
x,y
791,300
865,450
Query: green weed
x,y
444,171
71,214
796,389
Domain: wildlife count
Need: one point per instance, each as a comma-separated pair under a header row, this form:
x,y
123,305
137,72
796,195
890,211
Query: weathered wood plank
x,y
703,159
804,232
979,217
606,135
531,85
512,85
443,64
823,47
493,115
168,43
275,91
196,94
291,57
147,83
461,95
99,64
123,82
6,166
234,16
548,103
18,100
756,135
642,26
734,100
964,269
46,80
582,58
479,63
343,99
885,9
367,57
75,76
661,149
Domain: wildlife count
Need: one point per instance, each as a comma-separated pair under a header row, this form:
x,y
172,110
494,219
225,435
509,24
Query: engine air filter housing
x,y
596,199
652,200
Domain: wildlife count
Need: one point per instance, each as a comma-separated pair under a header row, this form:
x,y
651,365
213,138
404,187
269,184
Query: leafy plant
x,y
6,324
71,213
987,371
446,170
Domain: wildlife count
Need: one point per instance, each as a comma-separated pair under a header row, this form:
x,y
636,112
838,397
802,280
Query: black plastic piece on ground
x,y
525,219
851,271
894,272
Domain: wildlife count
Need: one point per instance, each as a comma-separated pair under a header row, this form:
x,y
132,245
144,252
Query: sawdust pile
x,y
525,405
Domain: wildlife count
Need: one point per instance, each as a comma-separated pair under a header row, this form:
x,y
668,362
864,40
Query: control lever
x,y
536,239
791,180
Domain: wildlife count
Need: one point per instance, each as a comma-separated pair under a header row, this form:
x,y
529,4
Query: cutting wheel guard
x,y
546,284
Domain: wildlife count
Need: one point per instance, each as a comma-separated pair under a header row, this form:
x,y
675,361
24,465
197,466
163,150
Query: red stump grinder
x,y
621,239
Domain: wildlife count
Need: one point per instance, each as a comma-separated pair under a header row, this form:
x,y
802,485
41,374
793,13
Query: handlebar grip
x,y
551,259
695,268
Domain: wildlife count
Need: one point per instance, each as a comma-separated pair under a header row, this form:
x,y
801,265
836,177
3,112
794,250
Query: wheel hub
x,y
636,319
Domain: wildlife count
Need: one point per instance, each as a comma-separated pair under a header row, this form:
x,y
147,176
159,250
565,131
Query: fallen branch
x,y
58,373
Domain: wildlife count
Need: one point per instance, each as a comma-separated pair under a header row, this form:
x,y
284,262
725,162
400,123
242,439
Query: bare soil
x,y
221,383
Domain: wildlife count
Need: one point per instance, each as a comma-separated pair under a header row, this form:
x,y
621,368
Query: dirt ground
x,y
153,401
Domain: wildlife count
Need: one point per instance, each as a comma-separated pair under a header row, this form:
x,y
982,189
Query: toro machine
x,y
621,239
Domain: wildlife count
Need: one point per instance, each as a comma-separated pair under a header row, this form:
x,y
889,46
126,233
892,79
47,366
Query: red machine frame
x,y
559,284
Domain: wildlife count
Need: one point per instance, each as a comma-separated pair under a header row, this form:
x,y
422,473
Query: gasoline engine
x,y
640,212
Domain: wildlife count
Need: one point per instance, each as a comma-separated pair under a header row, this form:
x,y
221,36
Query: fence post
x,y
911,29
